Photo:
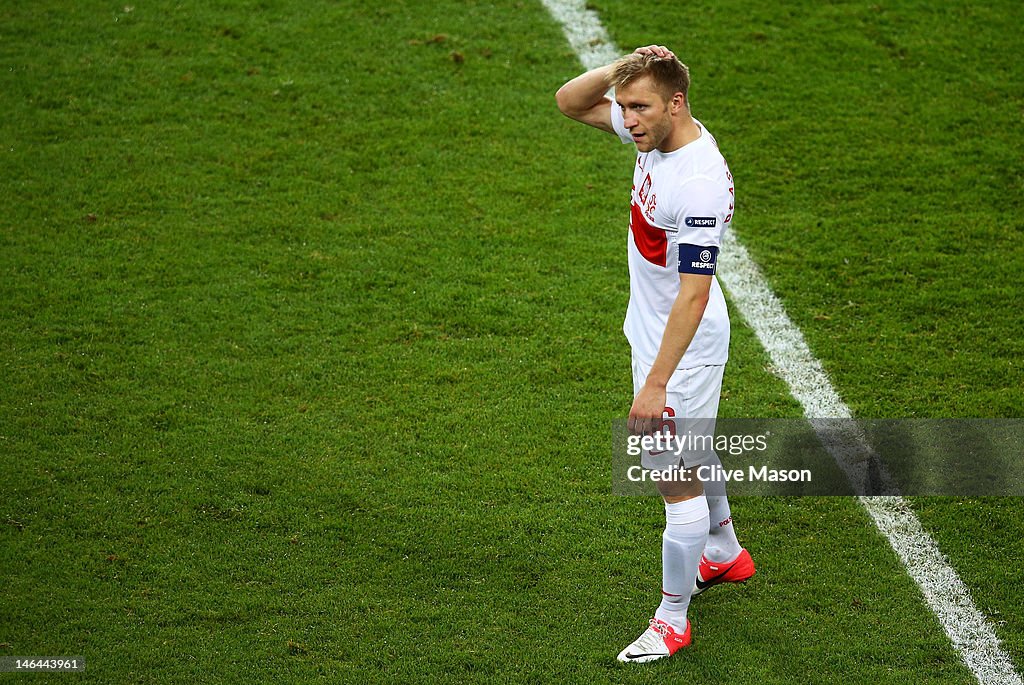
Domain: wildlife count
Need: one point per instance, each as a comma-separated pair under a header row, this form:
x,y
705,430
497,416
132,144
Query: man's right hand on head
x,y
657,50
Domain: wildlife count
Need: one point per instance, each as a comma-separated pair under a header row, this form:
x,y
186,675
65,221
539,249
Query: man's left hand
x,y
646,412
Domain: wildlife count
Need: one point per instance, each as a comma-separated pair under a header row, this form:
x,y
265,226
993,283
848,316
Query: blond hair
x,y
669,75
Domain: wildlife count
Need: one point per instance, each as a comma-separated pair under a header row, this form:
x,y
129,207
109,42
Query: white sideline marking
x,y
942,588
945,593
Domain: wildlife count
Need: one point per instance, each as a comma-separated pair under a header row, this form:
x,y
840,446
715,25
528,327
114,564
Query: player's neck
x,y
683,133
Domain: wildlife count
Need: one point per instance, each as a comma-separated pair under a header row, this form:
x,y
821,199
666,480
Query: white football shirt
x,y
682,203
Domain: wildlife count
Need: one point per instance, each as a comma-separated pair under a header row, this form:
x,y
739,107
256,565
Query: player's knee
x,y
681,489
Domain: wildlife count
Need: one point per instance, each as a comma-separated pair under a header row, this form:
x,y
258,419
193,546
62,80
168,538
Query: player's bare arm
x,y
683,320
584,100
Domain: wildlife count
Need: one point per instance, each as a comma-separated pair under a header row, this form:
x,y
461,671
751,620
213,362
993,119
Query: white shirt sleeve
x,y
703,207
618,123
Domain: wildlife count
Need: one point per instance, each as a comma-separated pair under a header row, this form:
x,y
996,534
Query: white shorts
x,y
691,408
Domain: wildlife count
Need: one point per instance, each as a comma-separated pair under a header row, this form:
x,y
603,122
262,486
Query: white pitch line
x,y
945,593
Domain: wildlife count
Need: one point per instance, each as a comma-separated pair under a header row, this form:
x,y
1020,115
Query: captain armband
x,y
696,259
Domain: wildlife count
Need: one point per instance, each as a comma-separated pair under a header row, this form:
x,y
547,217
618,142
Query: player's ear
x,y
678,102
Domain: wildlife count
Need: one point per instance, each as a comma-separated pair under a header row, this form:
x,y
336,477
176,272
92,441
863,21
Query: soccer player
x,y
676,322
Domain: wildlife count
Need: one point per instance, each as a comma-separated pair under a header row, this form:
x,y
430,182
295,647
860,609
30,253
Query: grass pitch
x,y
311,335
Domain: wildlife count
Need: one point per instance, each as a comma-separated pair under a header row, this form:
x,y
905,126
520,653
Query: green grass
x,y
311,335
879,177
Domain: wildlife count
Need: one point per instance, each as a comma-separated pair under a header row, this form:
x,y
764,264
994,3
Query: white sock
x,y
682,543
722,545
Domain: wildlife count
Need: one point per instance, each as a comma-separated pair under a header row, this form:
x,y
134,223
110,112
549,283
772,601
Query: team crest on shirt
x,y
645,188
